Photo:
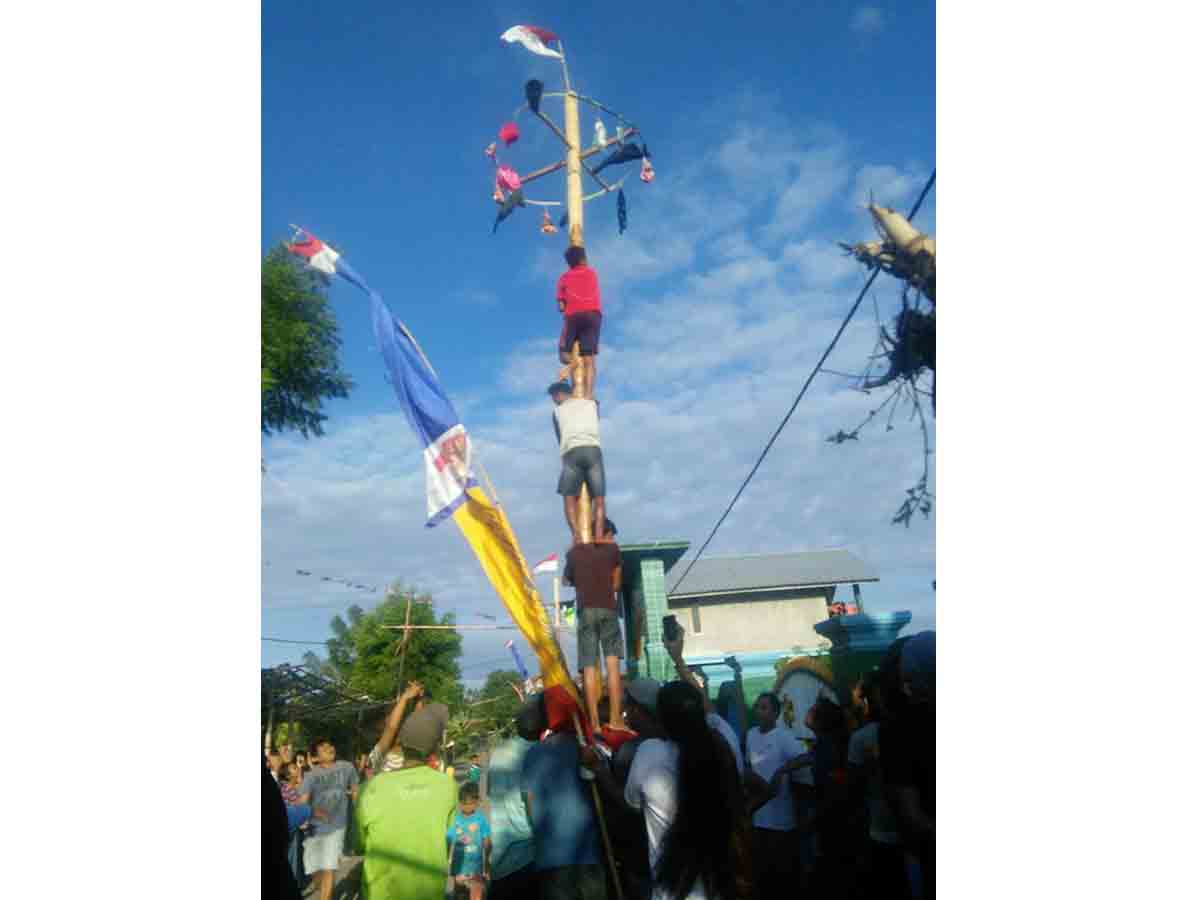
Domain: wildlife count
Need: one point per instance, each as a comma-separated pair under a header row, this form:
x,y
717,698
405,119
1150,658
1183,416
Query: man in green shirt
x,y
403,813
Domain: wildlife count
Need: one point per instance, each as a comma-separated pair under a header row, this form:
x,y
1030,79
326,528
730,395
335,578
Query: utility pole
x,y
404,642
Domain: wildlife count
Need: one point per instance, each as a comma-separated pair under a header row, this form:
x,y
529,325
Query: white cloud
x,y
887,186
867,20
715,315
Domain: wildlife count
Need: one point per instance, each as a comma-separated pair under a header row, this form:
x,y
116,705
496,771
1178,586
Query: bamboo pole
x,y
574,170
557,605
608,851
622,134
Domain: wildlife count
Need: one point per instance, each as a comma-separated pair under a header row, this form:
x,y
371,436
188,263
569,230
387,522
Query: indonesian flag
x,y
533,38
549,564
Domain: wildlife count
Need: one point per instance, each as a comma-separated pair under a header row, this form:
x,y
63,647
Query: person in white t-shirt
x,y
773,754
689,795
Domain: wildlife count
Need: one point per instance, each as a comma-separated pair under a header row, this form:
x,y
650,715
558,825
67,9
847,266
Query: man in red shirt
x,y
594,570
578,297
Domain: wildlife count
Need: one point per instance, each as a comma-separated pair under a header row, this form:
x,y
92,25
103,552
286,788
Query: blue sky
x,y
769,124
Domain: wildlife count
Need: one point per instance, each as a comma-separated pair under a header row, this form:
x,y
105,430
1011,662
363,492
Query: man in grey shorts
x,y
577,427
594,570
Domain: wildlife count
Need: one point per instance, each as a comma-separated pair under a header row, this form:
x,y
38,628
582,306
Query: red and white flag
x,y
549,564
534,39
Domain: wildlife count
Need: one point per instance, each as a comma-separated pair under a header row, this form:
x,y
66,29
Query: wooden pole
x,y
608,851
585,154
583,525
557,607
574,170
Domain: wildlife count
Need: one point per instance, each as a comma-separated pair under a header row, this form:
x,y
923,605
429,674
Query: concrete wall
x,y
740,623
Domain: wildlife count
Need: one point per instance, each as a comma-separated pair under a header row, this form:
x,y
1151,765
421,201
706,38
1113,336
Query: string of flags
x,y
342,581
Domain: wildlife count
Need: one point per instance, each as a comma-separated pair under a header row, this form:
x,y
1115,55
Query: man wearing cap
x,y
594,570
414,691
577,428
403,814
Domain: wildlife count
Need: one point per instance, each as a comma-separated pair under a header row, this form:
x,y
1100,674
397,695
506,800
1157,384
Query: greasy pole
x,y
574,170
575,238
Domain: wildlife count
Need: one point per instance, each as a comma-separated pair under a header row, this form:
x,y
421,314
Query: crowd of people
x,y
675,805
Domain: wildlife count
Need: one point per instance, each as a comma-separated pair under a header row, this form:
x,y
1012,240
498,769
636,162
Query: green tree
x,y
300,343
495,705
364,656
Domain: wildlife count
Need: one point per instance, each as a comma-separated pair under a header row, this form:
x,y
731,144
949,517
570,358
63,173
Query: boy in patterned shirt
x,y
470,839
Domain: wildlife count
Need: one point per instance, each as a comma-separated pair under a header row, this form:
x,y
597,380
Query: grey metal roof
x,y
818,568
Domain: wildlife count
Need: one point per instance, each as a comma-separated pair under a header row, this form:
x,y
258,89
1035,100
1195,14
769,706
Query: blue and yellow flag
x,y
450,485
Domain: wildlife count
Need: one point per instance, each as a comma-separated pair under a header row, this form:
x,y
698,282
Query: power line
x,y
274,640
817,368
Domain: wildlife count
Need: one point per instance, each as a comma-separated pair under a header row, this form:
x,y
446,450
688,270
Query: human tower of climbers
x,y
593,564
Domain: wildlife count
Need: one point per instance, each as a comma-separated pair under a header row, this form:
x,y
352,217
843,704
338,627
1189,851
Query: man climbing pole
x,y
594,570
578,295
577,427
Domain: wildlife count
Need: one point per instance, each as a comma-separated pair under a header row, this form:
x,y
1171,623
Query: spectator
x,y
566,835
289,783
772,754
474,770
715,722
277,881
686,787
732,709
884,873
470,840
328,787
302,762
413,692
513,873
274,764
835,844
298,816
641,704
403,814
626,828
908,747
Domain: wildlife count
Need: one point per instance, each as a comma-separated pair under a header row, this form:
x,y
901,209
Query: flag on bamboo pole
x,y
451,488
533,39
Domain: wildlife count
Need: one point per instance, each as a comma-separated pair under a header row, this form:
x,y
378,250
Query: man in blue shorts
x,y
577,427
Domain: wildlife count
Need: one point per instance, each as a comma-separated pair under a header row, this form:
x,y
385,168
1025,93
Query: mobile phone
x,y
671,629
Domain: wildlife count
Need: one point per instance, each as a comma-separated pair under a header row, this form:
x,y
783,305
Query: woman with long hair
x,y
687,788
